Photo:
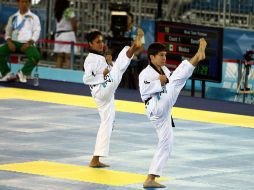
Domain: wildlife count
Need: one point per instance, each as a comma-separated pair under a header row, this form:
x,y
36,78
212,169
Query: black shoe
x,y
245,89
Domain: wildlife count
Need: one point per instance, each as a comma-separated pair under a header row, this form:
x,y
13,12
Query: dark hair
x,y
60,6
131,15
155,48
92,35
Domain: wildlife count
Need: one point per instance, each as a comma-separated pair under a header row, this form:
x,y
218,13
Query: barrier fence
x,y
46,46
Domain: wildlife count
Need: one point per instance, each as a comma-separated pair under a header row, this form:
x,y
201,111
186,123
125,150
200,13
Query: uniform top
x,y
94,66
149,82
23,28
65,24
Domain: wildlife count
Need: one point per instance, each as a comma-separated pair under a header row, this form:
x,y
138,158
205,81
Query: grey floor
x,y
205,156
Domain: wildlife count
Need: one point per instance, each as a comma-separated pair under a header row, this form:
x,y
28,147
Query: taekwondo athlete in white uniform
x,y
103,83
159,90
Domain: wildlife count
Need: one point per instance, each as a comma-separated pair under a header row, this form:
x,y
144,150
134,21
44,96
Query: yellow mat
x,y
77,173
127,106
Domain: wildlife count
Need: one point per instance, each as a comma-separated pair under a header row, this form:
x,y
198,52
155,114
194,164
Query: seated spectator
x,y
22,31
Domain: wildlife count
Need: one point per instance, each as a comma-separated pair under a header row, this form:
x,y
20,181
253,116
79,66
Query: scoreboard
x,y
182,41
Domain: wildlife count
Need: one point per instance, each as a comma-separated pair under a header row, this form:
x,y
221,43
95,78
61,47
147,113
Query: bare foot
x,y
152,184
95,163
201,49
137,45
138,40
98,165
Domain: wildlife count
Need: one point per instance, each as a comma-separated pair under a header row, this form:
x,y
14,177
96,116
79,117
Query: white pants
x,y
104,98
65,48
159,110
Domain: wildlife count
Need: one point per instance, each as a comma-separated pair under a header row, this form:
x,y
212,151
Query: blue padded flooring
x,y
205,156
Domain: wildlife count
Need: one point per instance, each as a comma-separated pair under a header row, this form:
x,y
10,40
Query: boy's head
x,y
157,54
95,40
24,5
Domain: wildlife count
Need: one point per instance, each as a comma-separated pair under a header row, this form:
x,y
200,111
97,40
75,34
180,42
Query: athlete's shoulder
x,y
145,72
93,58
89,58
